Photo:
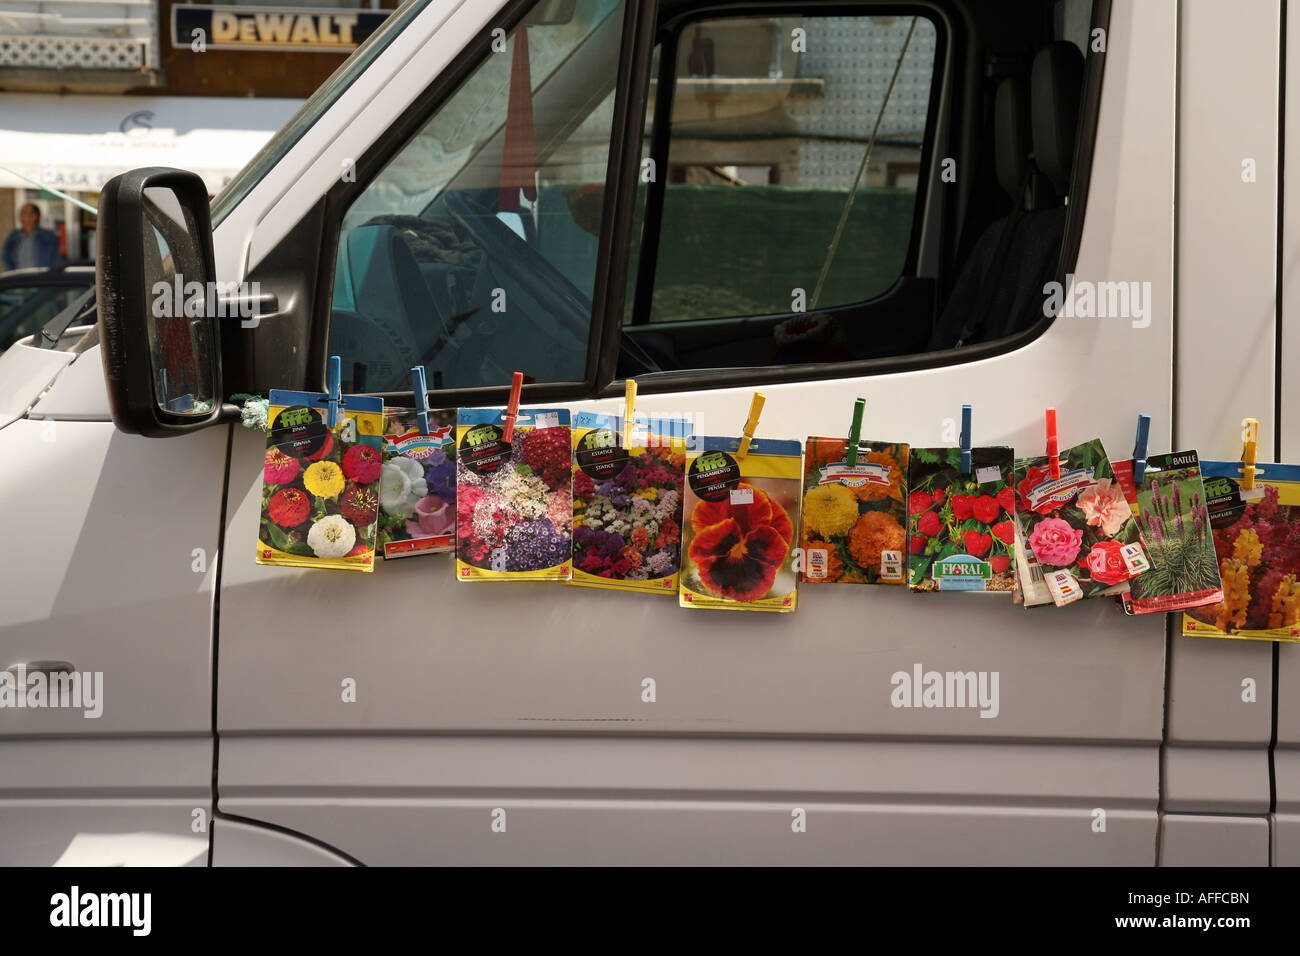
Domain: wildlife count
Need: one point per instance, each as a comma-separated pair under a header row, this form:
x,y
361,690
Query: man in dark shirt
x,y
30,246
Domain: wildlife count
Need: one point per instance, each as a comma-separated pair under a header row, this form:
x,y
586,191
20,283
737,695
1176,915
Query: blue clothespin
x,y
1140,449
965,439
334,386
421,398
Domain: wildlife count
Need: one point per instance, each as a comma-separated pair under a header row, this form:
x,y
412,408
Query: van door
x,y
402,717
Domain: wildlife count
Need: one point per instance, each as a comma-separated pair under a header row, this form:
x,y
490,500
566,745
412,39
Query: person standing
x,y
30,246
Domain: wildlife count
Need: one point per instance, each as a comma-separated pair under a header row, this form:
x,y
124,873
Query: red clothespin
x,y
1053,446
512,406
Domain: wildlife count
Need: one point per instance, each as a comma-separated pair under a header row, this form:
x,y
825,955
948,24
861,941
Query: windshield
x,y
318,103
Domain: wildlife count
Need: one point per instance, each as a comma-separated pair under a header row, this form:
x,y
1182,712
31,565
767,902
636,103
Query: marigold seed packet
x,y
739,529
514,504
854,528
417,488
320,486
1257,544
961,527
1081,539
627,502
1174,525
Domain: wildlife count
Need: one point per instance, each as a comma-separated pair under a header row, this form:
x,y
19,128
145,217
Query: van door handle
x,y
257,306
48,668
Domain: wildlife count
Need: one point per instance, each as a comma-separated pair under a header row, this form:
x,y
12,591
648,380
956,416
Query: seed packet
x,y
740,519
1175,530
961,528
1081,539
320,487
417,489
627,503
514,504
1257,542
854,528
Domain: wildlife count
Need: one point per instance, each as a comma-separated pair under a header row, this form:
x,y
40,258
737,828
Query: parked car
x,y
29,298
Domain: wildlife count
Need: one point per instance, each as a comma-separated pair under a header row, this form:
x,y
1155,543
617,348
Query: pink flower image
x,y
433,517
1104,506
1054,542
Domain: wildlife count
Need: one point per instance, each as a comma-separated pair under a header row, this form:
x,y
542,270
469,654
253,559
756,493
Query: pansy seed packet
x,y
961,527
514,504
854,528
320,486
1257,544
627,502
740,519
417,488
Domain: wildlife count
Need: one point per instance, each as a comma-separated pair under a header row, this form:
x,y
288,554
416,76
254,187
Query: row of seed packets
x,y
660,510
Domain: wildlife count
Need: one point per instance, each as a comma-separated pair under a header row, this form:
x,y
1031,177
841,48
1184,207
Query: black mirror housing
x,y
155,236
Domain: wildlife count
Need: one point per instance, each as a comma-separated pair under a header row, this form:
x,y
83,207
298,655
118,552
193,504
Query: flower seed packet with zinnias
x,y
1257,543
1081,538
417,488
627,502
739,527
320,488
1175,529
514,500
854,516
961,527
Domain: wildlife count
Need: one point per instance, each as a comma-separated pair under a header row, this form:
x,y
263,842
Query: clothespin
x,y
1140,449
334,388
512,406
1250,436
755,409
1053,446
965,440
421,391
629,410
855,432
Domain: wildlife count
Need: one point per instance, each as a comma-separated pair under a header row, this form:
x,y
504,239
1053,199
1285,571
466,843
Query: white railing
x,y
79,34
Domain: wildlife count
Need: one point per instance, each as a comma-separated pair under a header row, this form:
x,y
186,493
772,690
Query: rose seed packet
x,y
320,486
1174,525
1081,539
627,502
961,528
417,487
1257,543
741,512
854,527
514,504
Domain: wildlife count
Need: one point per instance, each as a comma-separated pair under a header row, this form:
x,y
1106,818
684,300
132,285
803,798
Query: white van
x,y
819,200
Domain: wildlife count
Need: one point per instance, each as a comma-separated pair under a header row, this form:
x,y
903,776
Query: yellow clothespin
x,y
629,411
755,409
1250,437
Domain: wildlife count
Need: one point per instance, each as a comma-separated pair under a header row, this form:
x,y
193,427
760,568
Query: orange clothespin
x,y
512,406
1053,446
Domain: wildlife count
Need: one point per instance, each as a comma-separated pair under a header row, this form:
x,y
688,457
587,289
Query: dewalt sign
x,y
294,29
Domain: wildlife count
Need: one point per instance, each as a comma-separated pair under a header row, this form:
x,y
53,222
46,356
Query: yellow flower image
x,y
830,510
1247,548
324,479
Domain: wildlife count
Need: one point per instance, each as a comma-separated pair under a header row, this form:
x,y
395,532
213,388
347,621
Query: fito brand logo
x,y
922,688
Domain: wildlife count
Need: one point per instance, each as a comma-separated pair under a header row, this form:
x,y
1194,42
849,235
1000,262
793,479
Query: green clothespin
x,y
855,432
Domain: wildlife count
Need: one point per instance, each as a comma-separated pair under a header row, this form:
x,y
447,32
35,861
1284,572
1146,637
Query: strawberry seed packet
x,y
417,487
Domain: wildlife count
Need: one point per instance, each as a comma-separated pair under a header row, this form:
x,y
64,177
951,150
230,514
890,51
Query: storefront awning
x,y
77,143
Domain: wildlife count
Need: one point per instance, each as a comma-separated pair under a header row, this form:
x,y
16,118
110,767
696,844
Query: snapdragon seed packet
x,y
320,486
1257,544
740,517
1175,527
627,502
854,528
514,504
961,528
417,488
1080,536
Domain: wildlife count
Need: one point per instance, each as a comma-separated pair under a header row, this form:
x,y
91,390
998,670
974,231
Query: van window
x,y
473,251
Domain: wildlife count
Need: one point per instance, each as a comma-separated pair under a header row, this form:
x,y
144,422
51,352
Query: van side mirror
x,y
157,301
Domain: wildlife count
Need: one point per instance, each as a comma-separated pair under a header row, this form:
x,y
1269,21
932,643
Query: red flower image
x,y
916,543
289,507
739,550
280,469
1106,564
977,545
1007,499
917,502
548,453
362,463
1000,563
1033,477
985,509
928,524
961,507
358,503
324,451
1004,531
